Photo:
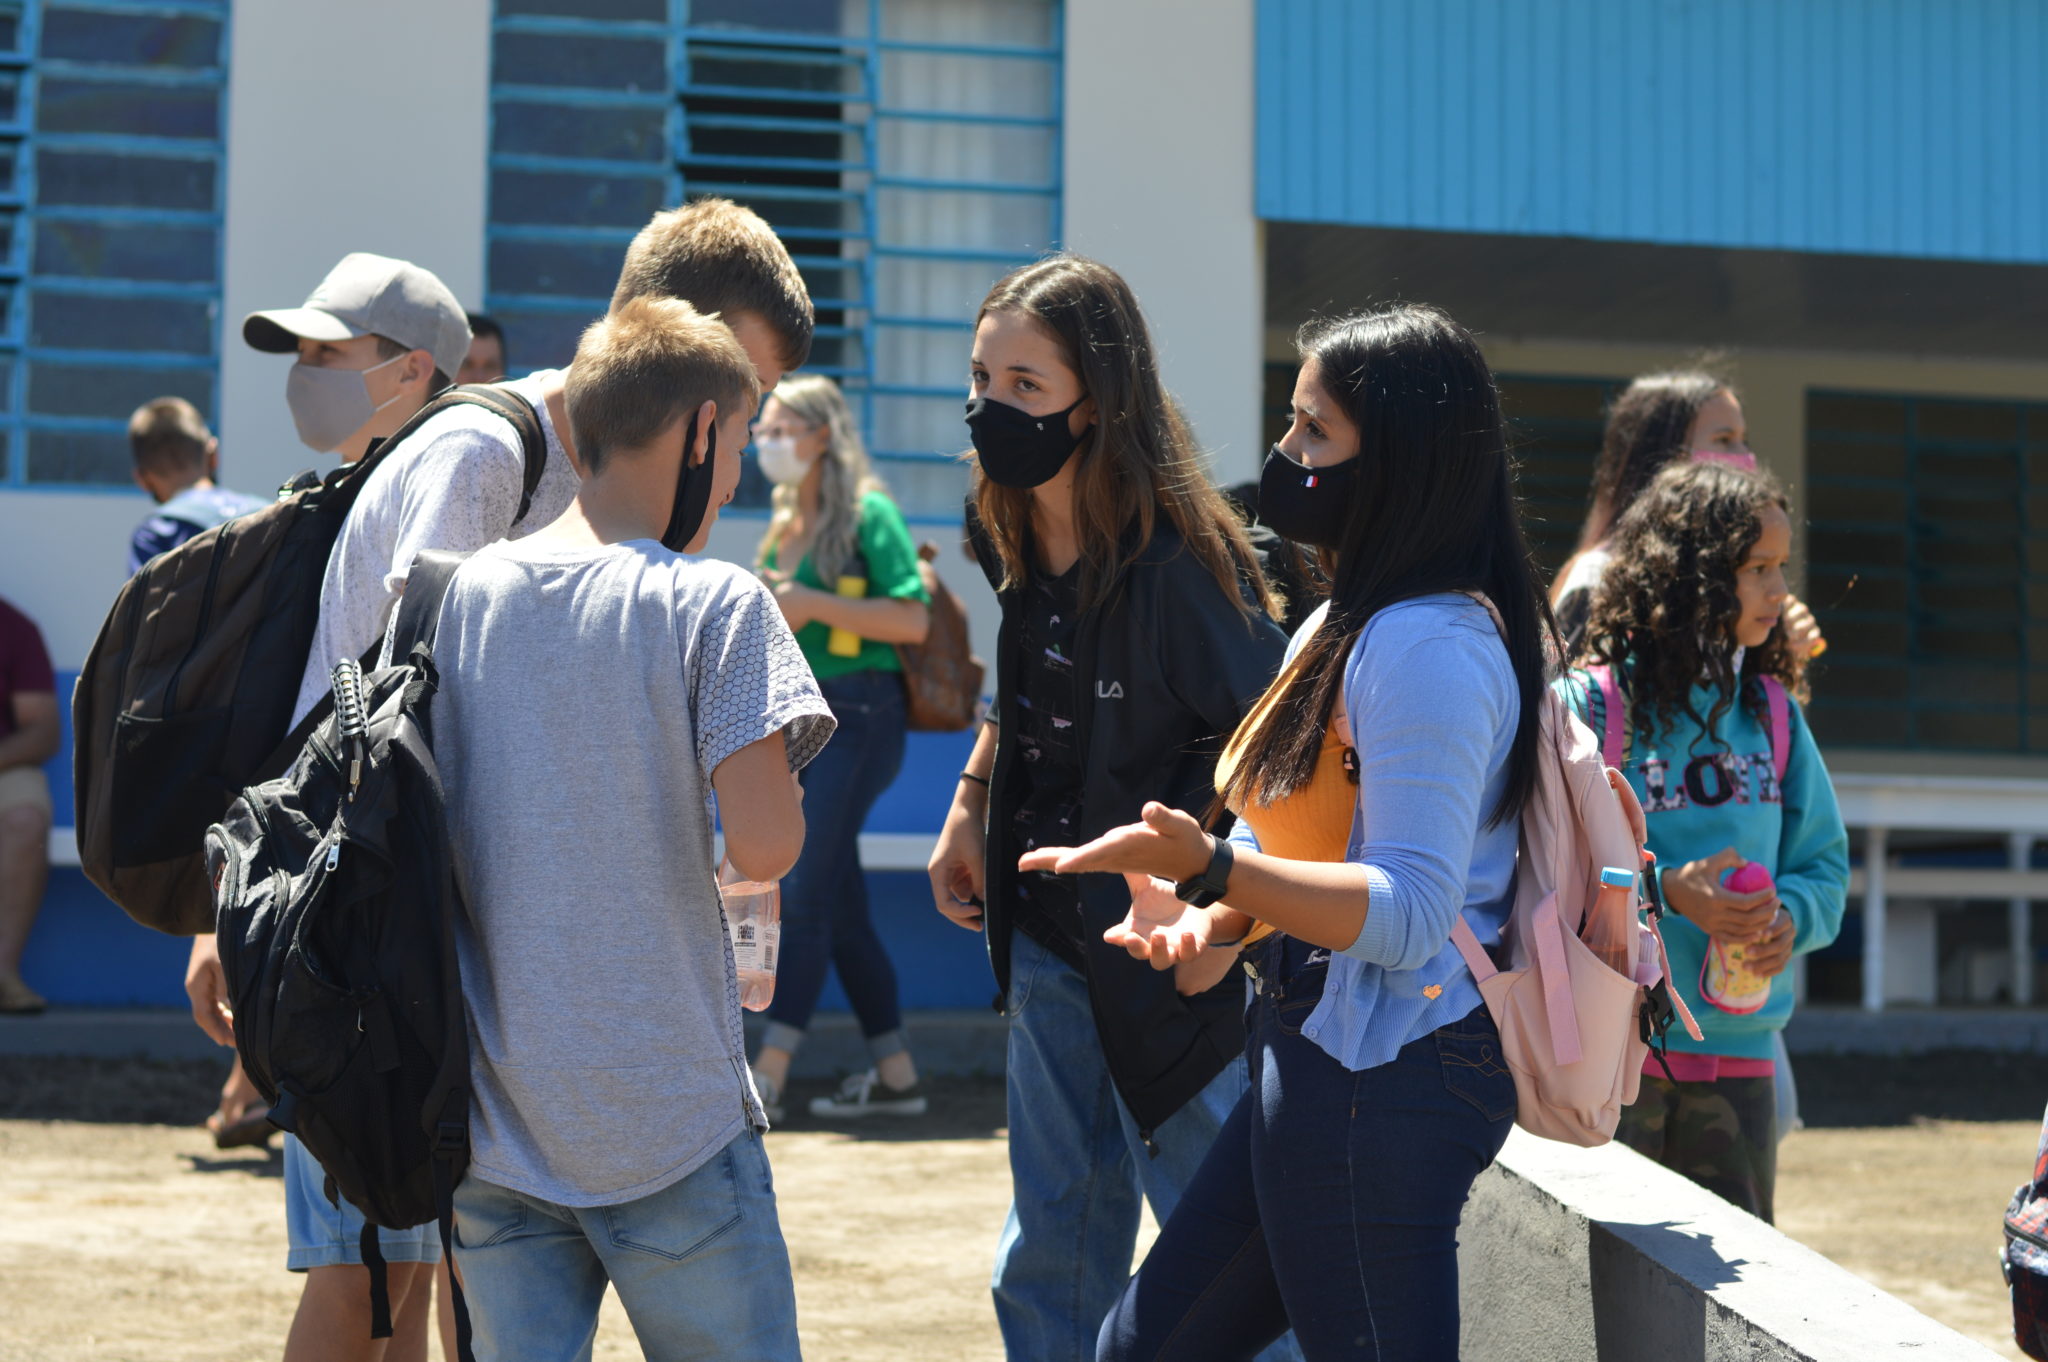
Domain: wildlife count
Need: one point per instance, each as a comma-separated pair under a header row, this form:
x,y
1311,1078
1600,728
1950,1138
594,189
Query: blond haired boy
x,y
598,685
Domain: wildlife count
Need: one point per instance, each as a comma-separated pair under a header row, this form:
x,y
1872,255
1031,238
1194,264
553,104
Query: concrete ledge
x,y
1916,1030
945,1042
1570,1254
109,1033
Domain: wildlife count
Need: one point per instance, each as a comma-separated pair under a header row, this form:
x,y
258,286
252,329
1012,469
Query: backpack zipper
x,y
205,614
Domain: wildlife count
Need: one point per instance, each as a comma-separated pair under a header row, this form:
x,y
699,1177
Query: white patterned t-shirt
x,y
587,696
454,486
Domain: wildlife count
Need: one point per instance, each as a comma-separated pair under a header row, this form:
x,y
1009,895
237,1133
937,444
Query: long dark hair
x,y
1138,461
1435,510
1646,429
1665,610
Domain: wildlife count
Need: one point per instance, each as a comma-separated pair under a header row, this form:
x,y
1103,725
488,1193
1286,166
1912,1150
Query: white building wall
x,y
350,127
61,561
1159,125
356,127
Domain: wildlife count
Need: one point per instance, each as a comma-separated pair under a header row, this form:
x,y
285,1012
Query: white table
x,y
1879,802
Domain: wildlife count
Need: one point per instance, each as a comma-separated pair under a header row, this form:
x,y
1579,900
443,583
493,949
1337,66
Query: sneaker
x,y
17,998
866,1095
771,1096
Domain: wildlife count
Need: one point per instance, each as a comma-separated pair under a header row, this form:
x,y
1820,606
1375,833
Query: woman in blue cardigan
x,y
1379,785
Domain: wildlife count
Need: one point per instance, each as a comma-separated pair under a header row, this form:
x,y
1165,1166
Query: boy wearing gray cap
x,y
455,485
375,341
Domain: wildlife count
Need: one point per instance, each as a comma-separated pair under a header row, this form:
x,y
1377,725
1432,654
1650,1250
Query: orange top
x,y
1313,823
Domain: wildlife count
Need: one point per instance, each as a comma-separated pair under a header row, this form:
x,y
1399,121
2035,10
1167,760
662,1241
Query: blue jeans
x,y
1077,1166
825,897
1331,1200
319,1233
700,1267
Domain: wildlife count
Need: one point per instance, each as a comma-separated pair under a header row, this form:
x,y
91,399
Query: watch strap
x,y
1209,886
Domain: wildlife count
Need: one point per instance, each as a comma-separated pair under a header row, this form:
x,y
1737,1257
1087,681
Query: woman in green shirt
x,y
843,567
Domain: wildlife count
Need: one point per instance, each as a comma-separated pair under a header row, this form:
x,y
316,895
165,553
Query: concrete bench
x,y
1569,1254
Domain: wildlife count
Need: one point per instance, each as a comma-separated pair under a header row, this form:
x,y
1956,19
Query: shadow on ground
x,y
171,1092
1957,1085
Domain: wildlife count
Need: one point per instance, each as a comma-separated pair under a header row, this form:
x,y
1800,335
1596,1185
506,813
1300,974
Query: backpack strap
x,y
452,1141
1779,706
533,441
1612,722
1476,959
380,1280
492,397
419,609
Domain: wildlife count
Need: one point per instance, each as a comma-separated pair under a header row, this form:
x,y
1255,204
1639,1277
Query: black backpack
x,y
187,694
337,893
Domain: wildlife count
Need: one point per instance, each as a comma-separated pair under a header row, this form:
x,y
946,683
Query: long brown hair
x,y
1434,510
1665,610
1646,429
1139,459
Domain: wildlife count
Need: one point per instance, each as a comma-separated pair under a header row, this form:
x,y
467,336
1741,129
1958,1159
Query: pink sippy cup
x,y
1725,979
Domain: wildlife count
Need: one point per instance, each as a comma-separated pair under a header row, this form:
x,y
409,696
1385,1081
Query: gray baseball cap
x,y
370,295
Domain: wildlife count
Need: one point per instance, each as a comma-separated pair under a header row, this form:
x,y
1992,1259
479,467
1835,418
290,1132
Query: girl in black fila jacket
x,y
1135,635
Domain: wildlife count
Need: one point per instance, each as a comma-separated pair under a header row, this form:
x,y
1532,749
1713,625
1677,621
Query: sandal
x,y
252,1127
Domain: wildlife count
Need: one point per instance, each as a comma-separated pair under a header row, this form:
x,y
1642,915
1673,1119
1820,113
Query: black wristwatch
x,y
1209,886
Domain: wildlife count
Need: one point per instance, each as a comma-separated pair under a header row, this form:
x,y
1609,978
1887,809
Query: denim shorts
x,y
322,1234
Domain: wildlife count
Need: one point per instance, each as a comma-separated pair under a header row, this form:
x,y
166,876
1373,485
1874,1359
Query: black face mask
x,y
1307,505
1018,449
693,490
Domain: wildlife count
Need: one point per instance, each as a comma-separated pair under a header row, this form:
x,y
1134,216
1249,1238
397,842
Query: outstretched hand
x,y
1170,934
1168,844
1152,855
1159,928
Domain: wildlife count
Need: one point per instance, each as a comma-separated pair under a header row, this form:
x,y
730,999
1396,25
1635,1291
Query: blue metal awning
x,y
1864,127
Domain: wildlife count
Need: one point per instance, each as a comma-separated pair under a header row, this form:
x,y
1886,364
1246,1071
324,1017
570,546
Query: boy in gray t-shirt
x,y
598,685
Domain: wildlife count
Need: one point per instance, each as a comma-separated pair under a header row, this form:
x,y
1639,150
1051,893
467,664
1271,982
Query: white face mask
x,y
329,405
780,463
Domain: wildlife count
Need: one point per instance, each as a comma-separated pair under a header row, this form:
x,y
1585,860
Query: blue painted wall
x,y
85,952
1876,127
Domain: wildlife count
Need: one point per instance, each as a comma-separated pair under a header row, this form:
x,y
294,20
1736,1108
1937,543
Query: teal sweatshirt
x,y
1701,794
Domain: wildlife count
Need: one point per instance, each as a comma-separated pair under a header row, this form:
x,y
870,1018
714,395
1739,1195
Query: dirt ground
x,y
124,1235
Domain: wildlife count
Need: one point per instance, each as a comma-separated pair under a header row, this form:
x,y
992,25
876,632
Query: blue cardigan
x,y
1433,708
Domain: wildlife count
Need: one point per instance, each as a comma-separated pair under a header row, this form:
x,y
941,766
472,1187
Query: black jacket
x,y
1165,669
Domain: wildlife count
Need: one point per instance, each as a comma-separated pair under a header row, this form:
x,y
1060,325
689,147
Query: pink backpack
x,y
1574,1029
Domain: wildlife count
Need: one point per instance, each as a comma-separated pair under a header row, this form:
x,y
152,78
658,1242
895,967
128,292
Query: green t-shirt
x,y
890,560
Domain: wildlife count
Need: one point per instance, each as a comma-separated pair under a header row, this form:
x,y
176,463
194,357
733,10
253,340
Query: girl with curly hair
x,y
1673,416
1689,680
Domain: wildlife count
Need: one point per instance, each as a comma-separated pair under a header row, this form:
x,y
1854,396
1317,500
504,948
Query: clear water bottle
x,y
753,916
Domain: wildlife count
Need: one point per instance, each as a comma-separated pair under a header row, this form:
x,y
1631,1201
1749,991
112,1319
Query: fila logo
x,y
1114,691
